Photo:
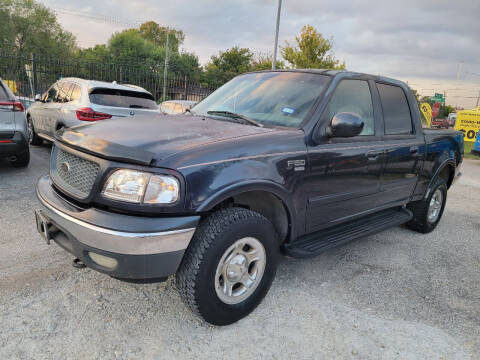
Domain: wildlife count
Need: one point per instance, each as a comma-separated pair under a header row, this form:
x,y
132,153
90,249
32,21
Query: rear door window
x,y
396,112
76,92
122,98
63,93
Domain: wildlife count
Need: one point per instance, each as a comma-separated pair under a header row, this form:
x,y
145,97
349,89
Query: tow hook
x,y
77,263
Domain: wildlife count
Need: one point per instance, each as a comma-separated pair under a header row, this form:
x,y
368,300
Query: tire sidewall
x,y
209,304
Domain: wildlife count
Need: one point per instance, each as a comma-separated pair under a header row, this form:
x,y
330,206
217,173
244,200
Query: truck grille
x,y
73,174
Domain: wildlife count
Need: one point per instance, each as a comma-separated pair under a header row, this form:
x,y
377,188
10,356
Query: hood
x,y
144,139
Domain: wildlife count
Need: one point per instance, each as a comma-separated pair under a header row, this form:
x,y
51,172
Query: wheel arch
x,y
268,198
446,170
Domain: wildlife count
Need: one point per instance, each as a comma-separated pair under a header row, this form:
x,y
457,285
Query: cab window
x,y
353,96
396,112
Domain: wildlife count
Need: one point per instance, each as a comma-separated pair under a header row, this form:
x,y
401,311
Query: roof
x,y
329,72
104,84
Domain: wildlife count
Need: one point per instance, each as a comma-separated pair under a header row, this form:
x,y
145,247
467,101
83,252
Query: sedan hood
x,y
144,139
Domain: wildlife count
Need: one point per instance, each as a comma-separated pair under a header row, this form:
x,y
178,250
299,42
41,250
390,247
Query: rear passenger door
x,y
43,112
54,113
405,145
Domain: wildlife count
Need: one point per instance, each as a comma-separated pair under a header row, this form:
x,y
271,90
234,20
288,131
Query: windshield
x,y
270,98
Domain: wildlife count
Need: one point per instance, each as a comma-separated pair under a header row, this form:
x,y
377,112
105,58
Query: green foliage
x,y
144,48
227,64
157,34
263,61
30,27
313,51
447,109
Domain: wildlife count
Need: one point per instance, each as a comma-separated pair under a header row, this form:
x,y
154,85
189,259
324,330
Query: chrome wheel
x,y
240,270
435,206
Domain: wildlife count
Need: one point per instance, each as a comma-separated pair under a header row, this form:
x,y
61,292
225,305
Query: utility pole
x,y
274,62
478,98
165,66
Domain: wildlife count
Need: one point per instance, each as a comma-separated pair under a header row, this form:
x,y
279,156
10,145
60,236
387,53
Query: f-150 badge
x,y
297,165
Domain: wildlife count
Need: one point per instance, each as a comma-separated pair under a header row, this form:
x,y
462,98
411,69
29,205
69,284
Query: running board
x,y
314,244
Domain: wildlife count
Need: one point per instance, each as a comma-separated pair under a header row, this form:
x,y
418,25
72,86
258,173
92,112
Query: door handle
x,y
373,155
414,149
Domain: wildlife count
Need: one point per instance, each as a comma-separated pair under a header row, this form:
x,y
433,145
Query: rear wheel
x,y
229,265
428,212
33,138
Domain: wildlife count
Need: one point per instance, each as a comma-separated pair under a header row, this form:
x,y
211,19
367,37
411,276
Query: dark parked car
x,y
13,129
440,123
292,162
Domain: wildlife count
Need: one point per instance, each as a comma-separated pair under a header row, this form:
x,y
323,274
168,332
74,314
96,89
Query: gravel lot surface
x,y
396,295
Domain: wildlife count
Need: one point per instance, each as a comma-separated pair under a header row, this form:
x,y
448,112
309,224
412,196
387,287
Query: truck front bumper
x,y
123,246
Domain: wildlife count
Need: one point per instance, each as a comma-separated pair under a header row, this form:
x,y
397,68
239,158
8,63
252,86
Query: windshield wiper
x,y
234,116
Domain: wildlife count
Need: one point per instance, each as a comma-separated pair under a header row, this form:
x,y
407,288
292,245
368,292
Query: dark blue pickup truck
x,y
278,162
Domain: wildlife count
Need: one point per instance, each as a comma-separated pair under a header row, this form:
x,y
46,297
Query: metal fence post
x,y
34,72
185,95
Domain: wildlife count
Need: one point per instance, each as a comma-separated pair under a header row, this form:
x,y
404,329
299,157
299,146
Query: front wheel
x,y
229,266
428,211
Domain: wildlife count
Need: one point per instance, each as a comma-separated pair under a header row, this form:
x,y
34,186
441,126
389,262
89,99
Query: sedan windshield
x,y
269,98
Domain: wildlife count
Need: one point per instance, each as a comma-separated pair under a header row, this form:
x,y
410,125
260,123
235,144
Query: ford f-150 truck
x,y
279,162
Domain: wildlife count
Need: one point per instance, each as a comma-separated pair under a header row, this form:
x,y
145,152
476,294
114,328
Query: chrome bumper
x,y
143,247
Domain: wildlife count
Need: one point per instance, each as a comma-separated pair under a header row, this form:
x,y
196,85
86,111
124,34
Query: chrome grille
x,y
74,174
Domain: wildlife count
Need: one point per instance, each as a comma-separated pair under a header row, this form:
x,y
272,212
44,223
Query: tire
x,y
33,138
198,280
23,159
421,221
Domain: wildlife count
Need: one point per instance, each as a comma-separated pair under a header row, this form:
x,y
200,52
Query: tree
x,y
157,34
227,64
447,109
30,27
262,61
312,51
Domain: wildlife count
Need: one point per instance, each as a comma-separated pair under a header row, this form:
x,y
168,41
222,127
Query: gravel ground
x,y
396,295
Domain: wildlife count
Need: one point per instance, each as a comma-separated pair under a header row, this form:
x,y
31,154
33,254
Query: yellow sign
x,y
12,85
426,110
468,122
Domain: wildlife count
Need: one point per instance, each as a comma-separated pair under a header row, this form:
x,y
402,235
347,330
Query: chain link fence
x,y
28,75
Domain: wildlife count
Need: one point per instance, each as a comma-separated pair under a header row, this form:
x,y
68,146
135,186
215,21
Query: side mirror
x,y
345,124
38,97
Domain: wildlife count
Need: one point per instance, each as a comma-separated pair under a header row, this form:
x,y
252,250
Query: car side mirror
x,y
38,97
345,124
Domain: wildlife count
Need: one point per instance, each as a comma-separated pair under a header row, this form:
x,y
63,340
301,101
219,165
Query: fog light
x,y
104,261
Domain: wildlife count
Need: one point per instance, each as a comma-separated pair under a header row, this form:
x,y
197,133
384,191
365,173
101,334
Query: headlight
x,y
140,187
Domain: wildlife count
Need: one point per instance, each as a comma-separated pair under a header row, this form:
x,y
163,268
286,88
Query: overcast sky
x,y
434,45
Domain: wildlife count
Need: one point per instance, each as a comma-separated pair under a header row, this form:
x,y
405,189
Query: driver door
x,y
344,173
